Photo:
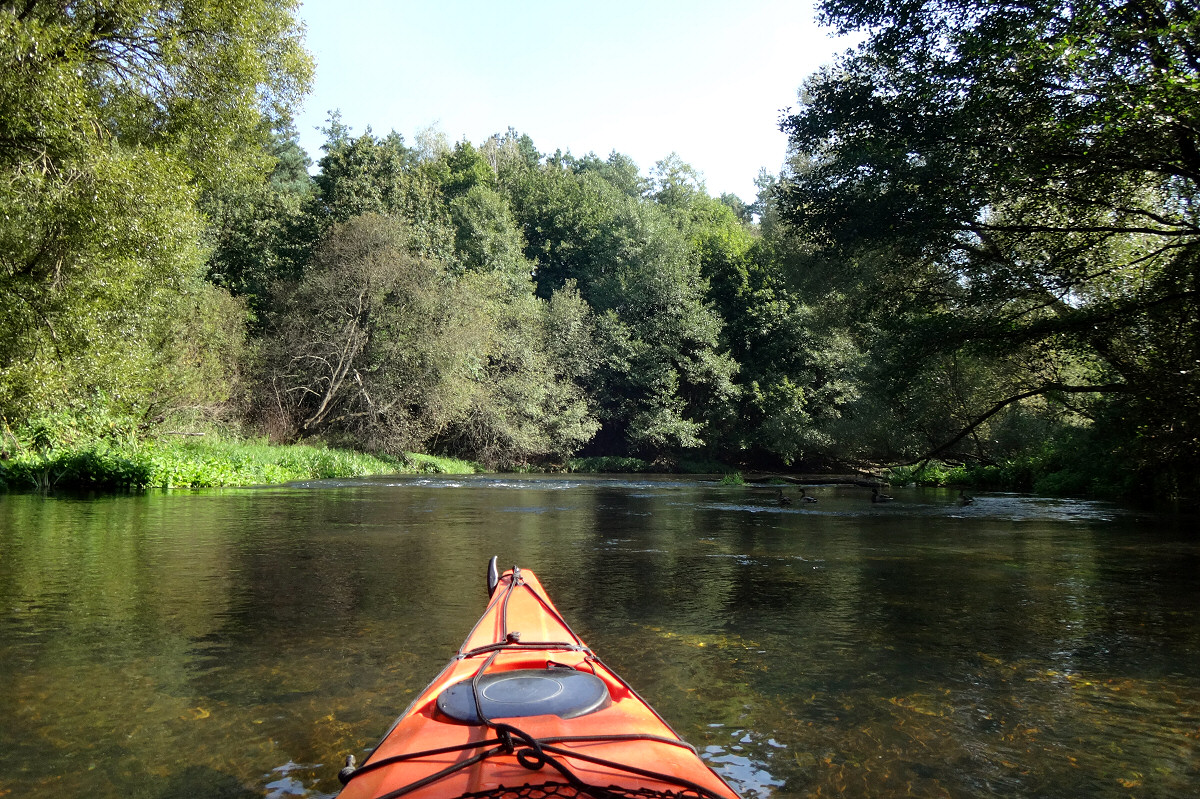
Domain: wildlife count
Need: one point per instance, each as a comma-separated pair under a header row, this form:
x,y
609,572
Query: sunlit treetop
x,y
194,77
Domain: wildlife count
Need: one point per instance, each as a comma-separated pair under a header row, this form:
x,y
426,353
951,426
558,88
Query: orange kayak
x,y
525,709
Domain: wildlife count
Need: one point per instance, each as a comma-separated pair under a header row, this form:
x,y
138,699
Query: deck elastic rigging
x,y
531,752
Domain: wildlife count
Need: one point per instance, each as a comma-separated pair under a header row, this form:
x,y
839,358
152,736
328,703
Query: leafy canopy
x,y
1021,182
113,119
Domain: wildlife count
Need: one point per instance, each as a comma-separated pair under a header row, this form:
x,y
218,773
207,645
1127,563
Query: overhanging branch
x,y
1048,388
1180,230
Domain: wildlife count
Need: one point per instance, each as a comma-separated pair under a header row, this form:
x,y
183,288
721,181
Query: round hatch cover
x,y
526,692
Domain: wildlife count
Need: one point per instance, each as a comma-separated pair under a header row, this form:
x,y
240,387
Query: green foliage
x,y
510,156
360,344
382,347
617,170
487,237
438,464
466,169
188,80
94,449
609,464
927,473
115,308
261,232
743,211
661,374
676,185
113,120
363,175
107,466
524,403
1013,193
983,250
1073,462
795,367
366,175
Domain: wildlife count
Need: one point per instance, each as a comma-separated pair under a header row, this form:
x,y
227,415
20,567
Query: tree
x,y
795,370
261,232
362,175
618,169
389,350
369,344
467,168
676,185
488,239
113,120
662,374
1019,184
742,210
510,153
368,175
527,403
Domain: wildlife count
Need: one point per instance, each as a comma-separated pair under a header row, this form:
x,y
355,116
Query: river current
x,y
240,643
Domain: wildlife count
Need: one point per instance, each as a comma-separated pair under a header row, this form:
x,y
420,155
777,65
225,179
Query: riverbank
x,y
114,459
199,462
214,461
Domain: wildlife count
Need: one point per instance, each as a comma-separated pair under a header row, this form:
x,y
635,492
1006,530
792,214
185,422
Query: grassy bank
x,y
126,463
197,462
1047,474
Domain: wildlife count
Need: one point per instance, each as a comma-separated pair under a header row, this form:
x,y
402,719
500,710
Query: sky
x,y
705,79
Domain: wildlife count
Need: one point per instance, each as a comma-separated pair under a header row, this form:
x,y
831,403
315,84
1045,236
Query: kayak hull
x,y
559,737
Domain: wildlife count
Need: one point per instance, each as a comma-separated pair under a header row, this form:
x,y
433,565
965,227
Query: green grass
x,y
206,462
1048,473
437,464
608,464
931,473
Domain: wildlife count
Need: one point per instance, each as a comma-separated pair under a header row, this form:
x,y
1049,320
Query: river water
x,y
240,643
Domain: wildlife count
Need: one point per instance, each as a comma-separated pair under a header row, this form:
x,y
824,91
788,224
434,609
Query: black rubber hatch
x,y
526,692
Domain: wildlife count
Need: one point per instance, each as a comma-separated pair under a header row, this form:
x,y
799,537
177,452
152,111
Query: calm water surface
x,y
241,643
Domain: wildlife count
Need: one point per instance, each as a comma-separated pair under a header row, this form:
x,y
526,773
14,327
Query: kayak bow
x,y
525,709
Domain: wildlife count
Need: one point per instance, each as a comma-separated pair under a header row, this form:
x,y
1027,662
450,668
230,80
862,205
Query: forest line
x,y
980,252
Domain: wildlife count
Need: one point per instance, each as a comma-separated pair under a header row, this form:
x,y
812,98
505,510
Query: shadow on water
x,y
241,643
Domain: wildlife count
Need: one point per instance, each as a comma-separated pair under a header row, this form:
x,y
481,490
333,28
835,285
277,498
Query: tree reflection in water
x,y
242,642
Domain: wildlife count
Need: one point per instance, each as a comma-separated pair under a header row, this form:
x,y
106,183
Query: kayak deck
x,y
525,709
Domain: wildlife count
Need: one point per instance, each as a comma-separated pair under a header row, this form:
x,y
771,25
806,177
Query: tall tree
x,y
1020,182
369,175
675,184
393,351
794,367
261,232
359,346
114,117
510,152
488,239
663,375
618,169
